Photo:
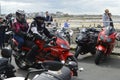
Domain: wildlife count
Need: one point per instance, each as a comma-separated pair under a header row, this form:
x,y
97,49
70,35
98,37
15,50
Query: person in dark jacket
x,y
48,19
20,28
38,29
2,31
9,21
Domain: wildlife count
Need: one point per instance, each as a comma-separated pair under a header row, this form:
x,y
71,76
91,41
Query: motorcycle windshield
x,y
82,37
60,35
109,31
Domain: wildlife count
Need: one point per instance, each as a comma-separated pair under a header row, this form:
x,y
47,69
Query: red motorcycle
x,y
55,49
105,44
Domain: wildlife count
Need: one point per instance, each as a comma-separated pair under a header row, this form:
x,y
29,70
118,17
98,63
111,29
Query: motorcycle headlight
x,y
64,46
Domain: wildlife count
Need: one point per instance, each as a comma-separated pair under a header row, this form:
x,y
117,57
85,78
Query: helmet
x,y
39,18
9,16
2,19
20,15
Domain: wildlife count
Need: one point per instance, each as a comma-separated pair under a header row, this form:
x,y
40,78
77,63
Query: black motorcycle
x,y
7,70
86,41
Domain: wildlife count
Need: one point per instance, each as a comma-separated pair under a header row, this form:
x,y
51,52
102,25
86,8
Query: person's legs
x,y
31,54
20,41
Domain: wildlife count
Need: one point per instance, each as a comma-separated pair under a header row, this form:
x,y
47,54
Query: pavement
x,y
116,50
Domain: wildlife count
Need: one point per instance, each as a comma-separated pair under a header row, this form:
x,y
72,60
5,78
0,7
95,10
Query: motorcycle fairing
x,y
101,48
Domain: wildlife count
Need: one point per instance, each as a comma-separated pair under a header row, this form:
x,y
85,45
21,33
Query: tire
x,y
93,52
77,51
21,64
75,68
98,57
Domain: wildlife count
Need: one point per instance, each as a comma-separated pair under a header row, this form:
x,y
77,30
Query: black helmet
x,y
9,16
39,17
20,15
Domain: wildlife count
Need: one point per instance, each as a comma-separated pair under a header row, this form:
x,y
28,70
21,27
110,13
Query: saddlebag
x,y
63,74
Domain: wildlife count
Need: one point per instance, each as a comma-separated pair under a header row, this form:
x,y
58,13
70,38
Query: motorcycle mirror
x,y
52,65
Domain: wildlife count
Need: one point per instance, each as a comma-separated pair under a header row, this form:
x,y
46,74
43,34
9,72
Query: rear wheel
x,y
98,57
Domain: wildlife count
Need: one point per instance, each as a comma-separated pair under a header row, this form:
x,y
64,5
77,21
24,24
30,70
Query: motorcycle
x,y
105,44
52,70
66,33
86,41
7,70
56,49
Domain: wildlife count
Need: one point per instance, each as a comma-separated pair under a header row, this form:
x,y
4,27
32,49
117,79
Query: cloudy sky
x,y
66,6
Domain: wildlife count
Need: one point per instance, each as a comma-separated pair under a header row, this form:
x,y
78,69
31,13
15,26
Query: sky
x,y
75,7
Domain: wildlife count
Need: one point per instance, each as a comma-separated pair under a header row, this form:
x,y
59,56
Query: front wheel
x,y
98,57
21,64
77,51
68,39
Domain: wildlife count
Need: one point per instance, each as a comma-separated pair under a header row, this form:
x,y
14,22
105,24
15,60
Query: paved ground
x,y
108,70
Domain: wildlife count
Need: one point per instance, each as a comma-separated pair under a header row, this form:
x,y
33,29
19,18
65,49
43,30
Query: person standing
x,y
111,21
106,19
66,24
55,23
48,19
